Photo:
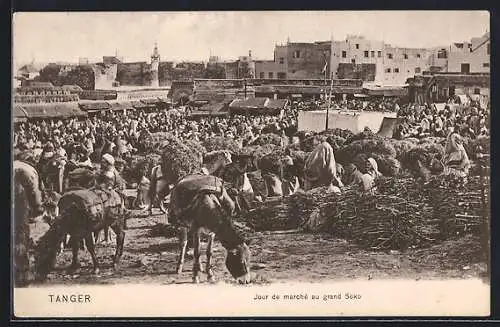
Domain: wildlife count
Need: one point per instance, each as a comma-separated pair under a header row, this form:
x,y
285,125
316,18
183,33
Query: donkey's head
x,y
436,166
50,205
238,263
216,160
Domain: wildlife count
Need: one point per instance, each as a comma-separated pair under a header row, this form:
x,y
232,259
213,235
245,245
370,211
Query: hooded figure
x,y
320,167
354,177
455,159
373,168
290,183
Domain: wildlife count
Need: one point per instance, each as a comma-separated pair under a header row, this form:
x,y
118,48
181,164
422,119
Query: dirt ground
x,y
149,258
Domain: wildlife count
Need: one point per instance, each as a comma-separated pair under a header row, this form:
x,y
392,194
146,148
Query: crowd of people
x,y
125,132
361,104
427,120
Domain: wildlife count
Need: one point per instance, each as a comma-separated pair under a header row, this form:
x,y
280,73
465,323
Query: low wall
x,y
351,120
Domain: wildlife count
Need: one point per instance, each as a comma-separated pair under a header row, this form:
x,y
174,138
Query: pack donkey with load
x,y
81,213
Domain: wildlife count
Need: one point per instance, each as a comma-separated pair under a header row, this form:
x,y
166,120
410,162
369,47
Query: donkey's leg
x,y
183,245
75,247
120,240
197,255
95,236
64,243
107,235
89,241
210,273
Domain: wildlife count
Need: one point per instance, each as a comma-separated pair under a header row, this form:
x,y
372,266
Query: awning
x,y
94,106
386,91
345,90
141,105
479,80
303,90
277,104
252,103
257,106
216,109
60,110
151,101
18,114
357,95
121,106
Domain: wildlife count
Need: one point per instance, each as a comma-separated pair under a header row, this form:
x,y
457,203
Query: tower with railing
x,y
155,63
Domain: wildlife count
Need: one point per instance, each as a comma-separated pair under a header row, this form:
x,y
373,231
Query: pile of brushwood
x,y
178,159
140,165
461,205
392,217
399,214
267,138
221,143
364,145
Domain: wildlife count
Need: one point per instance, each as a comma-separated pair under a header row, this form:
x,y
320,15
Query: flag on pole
x,y
324,67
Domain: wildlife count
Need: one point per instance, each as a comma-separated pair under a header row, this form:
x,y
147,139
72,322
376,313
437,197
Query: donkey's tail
x,y
47,248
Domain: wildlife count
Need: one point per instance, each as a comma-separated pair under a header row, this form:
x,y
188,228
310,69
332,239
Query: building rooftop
x,y
129,88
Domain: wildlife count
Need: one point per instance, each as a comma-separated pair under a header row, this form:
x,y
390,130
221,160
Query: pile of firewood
x,y
271,215
459,204
400,213
380,220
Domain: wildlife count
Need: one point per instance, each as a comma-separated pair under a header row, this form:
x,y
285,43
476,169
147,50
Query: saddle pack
x,y
97,204
188,188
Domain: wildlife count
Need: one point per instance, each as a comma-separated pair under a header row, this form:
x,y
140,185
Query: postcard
x,y
251,164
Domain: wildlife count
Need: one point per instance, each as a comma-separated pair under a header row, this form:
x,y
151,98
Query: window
x,y
418,55
405,56
344,54
296,54
389,55
373,54
442,54
357,46
477,90
396,70
488,48
262,75
270,74
353,60
417,70
366,54
379,54
465,68
282,60
281,75
486,64
388,70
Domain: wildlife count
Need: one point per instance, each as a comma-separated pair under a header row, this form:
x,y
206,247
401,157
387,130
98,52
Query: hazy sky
x,y
194,35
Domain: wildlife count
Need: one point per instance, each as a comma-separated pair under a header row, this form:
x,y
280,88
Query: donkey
x,y
27,204
200,204
81,212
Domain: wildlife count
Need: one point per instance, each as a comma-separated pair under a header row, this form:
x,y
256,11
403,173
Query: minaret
x,y
155,62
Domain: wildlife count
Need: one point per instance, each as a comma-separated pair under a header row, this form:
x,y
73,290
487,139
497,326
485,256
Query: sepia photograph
x,y
250,164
